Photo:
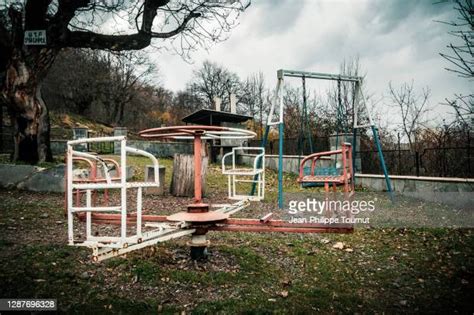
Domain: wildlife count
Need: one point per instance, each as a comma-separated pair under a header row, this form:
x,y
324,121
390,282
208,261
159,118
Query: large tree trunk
x,y
182,180
29,114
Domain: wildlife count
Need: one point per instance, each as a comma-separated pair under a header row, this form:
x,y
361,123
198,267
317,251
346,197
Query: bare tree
x,y
213,80
96,84
127,76
254,96
187,24
341,97
463,106
461,55
412,107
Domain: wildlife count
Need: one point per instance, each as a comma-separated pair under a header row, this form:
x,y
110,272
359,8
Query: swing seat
x,y
320,171
315,176
254,175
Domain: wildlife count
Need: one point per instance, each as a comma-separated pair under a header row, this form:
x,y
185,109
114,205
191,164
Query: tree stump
x,y
182,181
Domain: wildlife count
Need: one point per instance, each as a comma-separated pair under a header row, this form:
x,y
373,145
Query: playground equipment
x,y
106,245
334,176
238,174
137,230
95,173
275,117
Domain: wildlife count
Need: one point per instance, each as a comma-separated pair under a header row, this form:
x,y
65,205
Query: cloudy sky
x,y
395,40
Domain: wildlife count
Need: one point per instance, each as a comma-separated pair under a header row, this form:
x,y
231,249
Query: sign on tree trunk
x,y
182,181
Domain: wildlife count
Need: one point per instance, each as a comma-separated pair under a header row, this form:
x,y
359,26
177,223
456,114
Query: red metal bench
x,y
343,176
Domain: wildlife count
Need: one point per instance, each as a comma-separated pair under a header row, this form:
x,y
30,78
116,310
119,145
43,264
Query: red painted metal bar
x,y
197,169
237,224
267,229
167,132
344,167
347,171
276,223
107,218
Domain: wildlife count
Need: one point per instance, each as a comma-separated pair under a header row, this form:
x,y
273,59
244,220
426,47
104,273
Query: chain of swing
x,y
341,126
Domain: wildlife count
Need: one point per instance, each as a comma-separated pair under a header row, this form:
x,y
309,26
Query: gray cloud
x,y
276,16
396,41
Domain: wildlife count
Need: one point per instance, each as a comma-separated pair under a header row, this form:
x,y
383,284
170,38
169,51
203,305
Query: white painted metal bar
x,y
246,180
229,185
112,185
156,166
96,209
168,225
69,193
139,212
102,255
96,244
88,214
110,246
94,157
235,175
316,75
123,191
278,98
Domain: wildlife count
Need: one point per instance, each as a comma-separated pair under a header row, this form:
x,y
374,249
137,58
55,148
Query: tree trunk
x,y
182,181
22,93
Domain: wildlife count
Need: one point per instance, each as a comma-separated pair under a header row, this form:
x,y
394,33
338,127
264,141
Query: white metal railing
x,y
255,174
96,185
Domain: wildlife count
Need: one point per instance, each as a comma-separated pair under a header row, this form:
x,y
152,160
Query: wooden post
x,y
182,180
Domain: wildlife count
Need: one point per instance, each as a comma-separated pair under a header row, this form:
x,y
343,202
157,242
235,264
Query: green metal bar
x,y
338,117
354,153
382,162
301,131
305,122
280,166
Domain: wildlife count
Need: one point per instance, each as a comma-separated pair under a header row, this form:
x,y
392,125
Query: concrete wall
x,y
162,149
58,147
33,178
159,149
458,192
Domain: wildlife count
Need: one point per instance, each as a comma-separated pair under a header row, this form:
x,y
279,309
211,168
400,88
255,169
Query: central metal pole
x,y
197,168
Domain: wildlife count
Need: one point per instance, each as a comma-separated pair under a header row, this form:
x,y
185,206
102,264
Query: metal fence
x,y
440,162
101,147
294,146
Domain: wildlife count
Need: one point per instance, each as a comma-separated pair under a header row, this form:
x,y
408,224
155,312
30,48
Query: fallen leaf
x,y
338,245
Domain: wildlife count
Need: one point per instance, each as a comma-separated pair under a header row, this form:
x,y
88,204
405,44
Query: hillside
x,y
62,124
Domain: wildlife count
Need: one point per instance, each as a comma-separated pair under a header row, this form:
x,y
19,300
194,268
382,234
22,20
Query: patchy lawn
x,y
375,270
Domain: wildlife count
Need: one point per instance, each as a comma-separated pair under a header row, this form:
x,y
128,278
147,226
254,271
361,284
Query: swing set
x,y
343,171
